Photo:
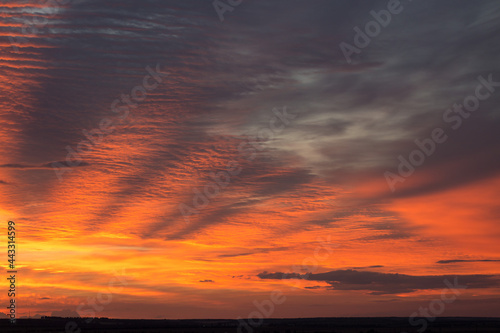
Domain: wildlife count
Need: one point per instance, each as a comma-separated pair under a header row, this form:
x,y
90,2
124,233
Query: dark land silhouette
x,y
299,325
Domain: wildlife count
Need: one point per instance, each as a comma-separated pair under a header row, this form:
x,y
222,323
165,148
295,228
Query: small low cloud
x,y
453,261
235,255
210,281
253,251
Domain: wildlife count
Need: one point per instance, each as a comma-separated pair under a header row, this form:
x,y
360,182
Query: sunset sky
x,y
307,138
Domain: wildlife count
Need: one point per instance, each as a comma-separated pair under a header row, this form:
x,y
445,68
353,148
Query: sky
x,y
160,162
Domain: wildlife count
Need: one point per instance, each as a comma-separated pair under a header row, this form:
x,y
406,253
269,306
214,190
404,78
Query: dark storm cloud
x,y
389,283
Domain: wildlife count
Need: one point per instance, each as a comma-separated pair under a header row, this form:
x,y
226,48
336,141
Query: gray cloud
x,y
453,261
388,283
225,78
365,267
41,166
